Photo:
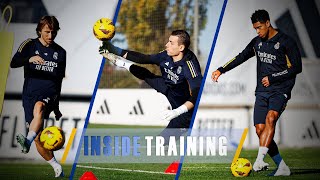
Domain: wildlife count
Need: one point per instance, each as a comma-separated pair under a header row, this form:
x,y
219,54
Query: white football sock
x,y
31,136
53,162
262,153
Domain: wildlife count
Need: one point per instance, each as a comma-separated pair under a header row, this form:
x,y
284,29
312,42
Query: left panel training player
x,y
44,64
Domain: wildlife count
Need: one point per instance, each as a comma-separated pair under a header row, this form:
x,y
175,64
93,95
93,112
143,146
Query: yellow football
x,y
104,29
242,167
52,138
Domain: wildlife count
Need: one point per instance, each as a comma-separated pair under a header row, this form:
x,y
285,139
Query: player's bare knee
x,y
272,118
258,132
259,129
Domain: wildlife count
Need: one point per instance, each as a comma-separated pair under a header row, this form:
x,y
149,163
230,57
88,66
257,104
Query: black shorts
x,y
30,101
158,83
266,102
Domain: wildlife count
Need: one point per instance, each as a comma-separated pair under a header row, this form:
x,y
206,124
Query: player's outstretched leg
x,y
25,145
142,73
49,157
35,125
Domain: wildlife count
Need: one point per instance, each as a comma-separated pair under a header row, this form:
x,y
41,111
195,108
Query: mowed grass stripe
x,y
118,169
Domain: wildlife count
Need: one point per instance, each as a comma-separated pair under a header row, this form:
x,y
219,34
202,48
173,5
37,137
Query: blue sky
x,y
206,35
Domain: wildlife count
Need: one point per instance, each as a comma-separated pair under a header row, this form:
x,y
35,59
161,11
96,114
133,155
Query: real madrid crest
x,y
179,70
259,45
276,46
55,55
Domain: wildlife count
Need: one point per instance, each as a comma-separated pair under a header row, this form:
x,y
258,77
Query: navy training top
x,y
278,58
41,79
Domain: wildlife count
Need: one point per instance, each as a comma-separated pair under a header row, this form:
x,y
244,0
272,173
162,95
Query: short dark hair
x,y
184,38
51,21
260,15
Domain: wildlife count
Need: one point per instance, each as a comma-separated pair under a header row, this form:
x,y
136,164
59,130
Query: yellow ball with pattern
x,y
104,29
52,138
241,168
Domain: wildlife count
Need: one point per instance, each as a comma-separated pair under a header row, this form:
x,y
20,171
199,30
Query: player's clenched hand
x,y
116,60
36,60
265,81
103,50
215,75
107,45
168,115
105,53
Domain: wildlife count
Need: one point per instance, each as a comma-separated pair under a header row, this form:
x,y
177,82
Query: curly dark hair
x,y
260,15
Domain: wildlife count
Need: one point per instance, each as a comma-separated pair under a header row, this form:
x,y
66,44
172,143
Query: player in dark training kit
x,y
278,63
180,81
44,64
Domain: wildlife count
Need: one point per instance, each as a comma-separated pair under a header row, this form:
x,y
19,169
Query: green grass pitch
x,y
304,164
29,170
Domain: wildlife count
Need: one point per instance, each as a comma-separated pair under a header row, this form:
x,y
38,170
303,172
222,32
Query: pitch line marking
x,y
118,169
66,151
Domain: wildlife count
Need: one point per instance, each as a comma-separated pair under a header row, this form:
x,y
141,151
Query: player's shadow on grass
x,y
305,171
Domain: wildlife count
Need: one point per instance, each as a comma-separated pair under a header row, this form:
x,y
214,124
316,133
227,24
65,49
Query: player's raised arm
x,y
246,54
215,75
133,56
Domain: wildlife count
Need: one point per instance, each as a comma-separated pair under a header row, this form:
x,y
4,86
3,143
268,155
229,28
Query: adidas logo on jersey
x,y
46,100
